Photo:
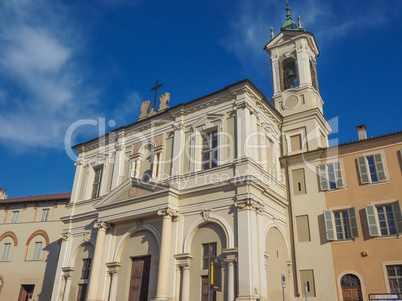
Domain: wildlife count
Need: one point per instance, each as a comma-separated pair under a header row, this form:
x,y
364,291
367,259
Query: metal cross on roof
x,y
157,86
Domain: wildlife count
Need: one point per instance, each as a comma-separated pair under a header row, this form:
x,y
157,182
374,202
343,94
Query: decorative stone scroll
x,y
101,226
65,237
206,214
169,212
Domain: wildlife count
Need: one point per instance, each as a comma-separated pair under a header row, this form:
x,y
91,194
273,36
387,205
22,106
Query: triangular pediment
x,y
131,189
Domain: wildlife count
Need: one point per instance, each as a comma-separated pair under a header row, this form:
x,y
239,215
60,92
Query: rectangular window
x,y
38,249
97,181
384,219
371,169
208,249
330,176
209,150
6,252
341,224
45,215
395,278
15,217
86,268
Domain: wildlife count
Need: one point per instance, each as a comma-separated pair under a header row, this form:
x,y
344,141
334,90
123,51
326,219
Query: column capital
x,y
231,255
65,237
101,226
113,267
249,205
68,272
168,213
184,260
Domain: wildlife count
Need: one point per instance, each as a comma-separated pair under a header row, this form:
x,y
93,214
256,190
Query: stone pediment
x,y
129,190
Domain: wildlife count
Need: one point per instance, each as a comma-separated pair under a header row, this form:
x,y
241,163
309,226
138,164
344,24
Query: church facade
x,y
153,200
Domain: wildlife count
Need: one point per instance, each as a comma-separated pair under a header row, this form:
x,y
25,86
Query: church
x,y
153,200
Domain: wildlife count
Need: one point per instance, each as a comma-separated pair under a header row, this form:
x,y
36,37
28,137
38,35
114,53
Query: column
x,y
184,261
178,149
58,288
97,262
162,288
77,181
231,258
248,256
113,269
68,275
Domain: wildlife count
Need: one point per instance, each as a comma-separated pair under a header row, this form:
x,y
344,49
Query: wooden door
x,y
26,292
352,294
204,290
82,292
139,281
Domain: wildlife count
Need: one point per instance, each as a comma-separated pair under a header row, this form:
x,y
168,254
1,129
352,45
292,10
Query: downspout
x,y
296,282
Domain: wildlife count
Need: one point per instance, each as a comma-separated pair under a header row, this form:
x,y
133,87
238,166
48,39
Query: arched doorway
x,y
351,288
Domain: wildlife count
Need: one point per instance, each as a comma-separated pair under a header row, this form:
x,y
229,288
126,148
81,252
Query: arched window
x,y
290,78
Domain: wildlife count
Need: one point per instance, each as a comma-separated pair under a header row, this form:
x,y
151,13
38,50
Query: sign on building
x,y
216,274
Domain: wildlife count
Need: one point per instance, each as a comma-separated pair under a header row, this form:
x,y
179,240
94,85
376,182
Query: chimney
x,y
3,194
361,131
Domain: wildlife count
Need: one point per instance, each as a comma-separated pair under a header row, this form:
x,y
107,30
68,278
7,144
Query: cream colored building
x,y
150,200
30,230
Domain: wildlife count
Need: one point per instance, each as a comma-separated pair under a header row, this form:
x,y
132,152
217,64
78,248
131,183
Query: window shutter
x,y
322,173
364,179
371,220
379,166
353,222
329,225
338,174
396,208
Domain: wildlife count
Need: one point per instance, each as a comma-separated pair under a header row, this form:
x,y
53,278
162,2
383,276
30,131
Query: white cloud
x,y
250,30
45,92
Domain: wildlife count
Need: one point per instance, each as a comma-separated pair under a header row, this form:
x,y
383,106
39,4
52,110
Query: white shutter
x,y
372,220
322,173
354,229
329,225
338,174
361,162
379,167
396,208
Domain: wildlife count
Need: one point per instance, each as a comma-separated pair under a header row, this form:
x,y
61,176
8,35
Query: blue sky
x,y
66,61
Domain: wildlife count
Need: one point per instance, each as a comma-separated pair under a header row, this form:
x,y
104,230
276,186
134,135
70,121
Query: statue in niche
x,y
164,101
146,105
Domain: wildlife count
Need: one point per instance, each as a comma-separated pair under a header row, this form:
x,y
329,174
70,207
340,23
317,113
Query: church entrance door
x,y
139,278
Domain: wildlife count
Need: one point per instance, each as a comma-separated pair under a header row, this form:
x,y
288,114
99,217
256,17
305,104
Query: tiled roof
x,y
368,139
38,198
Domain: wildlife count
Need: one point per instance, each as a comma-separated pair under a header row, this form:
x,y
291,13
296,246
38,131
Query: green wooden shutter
x,y
322,173
338,174
371,220
354,229
379,166
361,161
329,225
396,208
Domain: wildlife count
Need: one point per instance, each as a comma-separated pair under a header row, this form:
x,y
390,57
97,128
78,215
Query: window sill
x,y
5,261
392,236
31,260
336,189
339,241
378,183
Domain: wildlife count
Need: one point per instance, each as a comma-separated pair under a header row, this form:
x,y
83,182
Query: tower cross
x,y
157,86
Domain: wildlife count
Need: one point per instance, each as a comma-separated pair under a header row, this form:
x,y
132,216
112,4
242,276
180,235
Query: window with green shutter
x,y
345,222
330,176
371,220
371,169
329,225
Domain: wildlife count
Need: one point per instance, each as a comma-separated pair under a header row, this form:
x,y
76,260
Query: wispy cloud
x,y
124,112
42,90
327,20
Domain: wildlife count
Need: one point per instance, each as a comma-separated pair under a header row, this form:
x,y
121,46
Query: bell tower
x,y
296,93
